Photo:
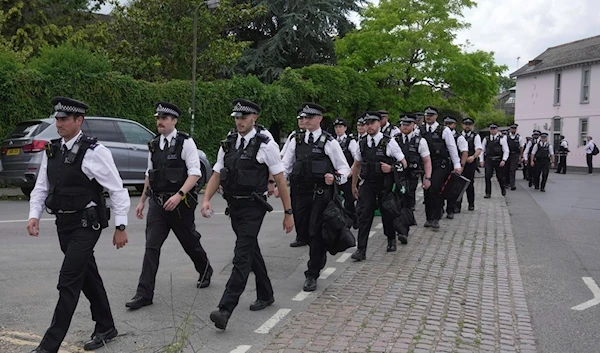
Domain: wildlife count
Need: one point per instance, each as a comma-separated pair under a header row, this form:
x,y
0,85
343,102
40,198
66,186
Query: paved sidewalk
x,y
457,290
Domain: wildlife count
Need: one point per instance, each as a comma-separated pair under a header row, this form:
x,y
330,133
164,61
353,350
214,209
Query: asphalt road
x,y
557,235
29,274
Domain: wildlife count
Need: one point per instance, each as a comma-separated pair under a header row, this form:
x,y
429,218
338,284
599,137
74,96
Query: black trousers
x,y
246,219
525,171
469,173
490,167
534,175
433,199
299,237
308,218
410,199
78,273
543,170
349,200
588,159
512,164
562,164
158,224
370,197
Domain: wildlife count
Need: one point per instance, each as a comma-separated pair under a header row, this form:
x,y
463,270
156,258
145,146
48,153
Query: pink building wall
x,y
535,108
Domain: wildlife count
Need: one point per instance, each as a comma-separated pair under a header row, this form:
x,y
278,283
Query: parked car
x,y
21,152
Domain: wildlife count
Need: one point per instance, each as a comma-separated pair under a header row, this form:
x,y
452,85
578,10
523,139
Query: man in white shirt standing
x,y
563,151
589,153
475,149
516,145
494,157
542,156
349,147
386,127
74,171
463,152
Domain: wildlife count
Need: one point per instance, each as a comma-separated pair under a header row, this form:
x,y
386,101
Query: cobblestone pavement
x,y
456,290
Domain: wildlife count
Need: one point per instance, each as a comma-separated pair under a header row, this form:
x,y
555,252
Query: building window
x,y
557,88
585,85
556,129
583,131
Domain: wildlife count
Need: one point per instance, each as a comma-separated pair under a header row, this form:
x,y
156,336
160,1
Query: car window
x,y
104,130
27,129
134,133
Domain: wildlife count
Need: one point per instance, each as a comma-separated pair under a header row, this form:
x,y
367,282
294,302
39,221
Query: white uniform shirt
x,y
476,140
450,143
268,153
528,148
423,148
352,146
590,147
395,130
564,144
503,143
521,139
392,150
461,142
97,164
332,150
535,148
287,144
189,153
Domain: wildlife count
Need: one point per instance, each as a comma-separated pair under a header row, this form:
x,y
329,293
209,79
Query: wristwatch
x,y
181,193
271,181
289,211
120,227
427,178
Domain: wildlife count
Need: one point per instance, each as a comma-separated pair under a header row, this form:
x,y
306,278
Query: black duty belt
x,y
87,218
162,197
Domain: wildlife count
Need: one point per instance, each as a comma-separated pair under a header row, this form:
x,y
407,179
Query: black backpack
x,y
595,151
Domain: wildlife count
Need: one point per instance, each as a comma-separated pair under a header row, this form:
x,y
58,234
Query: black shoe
x,y
450,216
503,192
297,244
457,210
99,339
435,225
487,196
427,224
220,318
203,283
137,302
391,245
310,285
471,208
543,190
355,225
513,188
261,304
537,187
359,255
40,350
403,239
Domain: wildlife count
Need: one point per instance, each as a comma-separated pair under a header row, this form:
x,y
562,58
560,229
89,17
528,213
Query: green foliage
x,y
68,61
497,116
506,83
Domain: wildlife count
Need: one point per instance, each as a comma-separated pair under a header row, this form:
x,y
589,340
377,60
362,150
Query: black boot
x,y
403,239
310,285
220,318
391,245
204,279
359,255
99,339
435,225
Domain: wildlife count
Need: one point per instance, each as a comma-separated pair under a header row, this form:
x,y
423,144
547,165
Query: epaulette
x,y
329,136
91,141
183,134
259,127
262,138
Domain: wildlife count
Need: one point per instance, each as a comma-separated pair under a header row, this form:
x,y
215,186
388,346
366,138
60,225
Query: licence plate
x,y
12,152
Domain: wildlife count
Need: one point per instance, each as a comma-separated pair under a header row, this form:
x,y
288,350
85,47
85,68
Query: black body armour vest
x,y
543,153
311,163
345,145
411,152
493,148
242,174
170,172
70,190
471,142
513,144
370,166
437,145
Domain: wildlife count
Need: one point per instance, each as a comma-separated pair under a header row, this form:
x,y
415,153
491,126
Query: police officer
x,y
563,151
419,117
474,143
73,173
542,160
349,147
463,152
443,152
494,159
173,170
531,171
374,162
418,160
386,127
310,162
524,163
516,145
244,162
361,129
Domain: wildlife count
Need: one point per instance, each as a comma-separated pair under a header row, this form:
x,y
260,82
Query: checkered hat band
x,y
311,111
244,109
162,110
68,109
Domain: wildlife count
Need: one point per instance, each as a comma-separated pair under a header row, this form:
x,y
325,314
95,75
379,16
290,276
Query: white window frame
x,y
583,134
557,87
583,99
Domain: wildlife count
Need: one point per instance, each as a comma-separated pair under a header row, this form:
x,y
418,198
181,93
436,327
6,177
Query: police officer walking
x,y
474,143
310,162
73,173
374,163
463,153
386,127
531,171
563,151
542,160
494,159
361,129
349,147
516,145
244,162
443,152
418,161
173,171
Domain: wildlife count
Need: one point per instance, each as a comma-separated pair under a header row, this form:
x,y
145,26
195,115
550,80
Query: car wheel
x,y
26,191
140,188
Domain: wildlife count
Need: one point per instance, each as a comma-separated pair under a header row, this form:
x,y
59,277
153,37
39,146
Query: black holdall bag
x,y
335,233
454,187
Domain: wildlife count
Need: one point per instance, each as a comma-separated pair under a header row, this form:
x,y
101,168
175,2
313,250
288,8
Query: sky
x,y
524,28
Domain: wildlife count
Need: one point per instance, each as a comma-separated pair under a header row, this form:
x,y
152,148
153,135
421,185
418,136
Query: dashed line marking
x,y
269,324
379,226
372,233
345,256
26,220
301,296
327,272
241,349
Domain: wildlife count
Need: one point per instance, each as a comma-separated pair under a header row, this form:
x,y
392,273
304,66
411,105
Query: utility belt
x,y
88,218
235,201
442,163
495,158
190,200
310,186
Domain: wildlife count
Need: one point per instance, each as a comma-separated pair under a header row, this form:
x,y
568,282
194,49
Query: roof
x,y
580,52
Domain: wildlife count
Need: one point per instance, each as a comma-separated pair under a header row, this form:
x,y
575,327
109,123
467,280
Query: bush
x,y
66,62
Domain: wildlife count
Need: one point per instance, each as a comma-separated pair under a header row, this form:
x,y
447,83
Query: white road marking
x,y
25,220
379,226
327,272
301,296
372,233
269,324
241,349
345,256
589,281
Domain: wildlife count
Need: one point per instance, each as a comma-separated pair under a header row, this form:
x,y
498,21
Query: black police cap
x,y
166,108
64,106
468,121
371,115
431,110
340,121
244,107
407,118
311,109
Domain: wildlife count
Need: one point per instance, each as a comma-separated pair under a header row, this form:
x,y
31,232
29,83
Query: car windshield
x,y
27,129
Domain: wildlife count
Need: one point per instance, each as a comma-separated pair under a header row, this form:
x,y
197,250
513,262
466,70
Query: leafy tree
x,y
293,33
69,61
403,44
155,38
506,83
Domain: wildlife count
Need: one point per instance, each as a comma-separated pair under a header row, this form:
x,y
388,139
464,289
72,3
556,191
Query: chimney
x,y
534,62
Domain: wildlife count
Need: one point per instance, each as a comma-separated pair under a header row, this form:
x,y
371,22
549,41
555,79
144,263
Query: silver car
x,y
21,153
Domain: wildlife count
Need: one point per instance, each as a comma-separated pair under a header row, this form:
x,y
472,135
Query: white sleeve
x,y
423,148
463,145
268,154
551,149
394,150
150,165
482,154
220,163
189,154
505,150
38,196
355,150
477,143
289,158
286,144
534,150
451,146
336,155
521,141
